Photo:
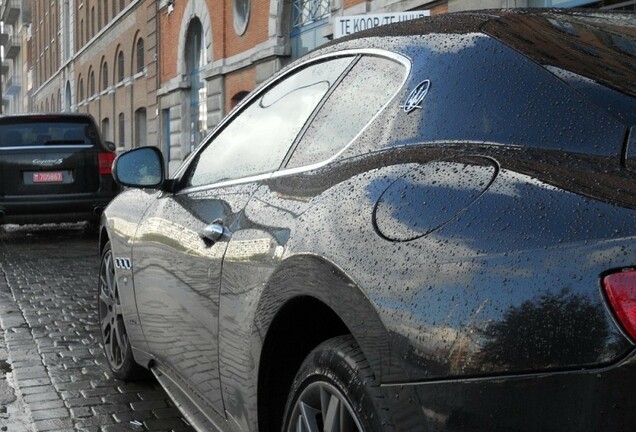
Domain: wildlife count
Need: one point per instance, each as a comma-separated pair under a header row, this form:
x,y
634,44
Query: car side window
x,y
352,105
258,138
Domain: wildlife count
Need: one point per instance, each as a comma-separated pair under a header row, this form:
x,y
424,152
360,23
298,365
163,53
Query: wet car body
x,y
54,168
461,236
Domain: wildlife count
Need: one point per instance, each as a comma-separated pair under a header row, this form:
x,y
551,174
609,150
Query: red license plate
x,y
48,177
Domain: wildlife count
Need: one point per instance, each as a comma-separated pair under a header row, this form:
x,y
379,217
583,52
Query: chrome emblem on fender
x,y
415,98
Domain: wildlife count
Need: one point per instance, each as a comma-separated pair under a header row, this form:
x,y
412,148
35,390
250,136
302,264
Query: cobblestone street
x,y
53,374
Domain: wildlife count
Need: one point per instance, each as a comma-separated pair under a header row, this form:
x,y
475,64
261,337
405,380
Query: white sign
x,y
346,25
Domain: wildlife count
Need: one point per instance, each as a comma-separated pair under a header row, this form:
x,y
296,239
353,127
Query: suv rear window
x,y
29,133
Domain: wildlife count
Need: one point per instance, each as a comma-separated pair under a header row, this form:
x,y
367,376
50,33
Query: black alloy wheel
x,y
114,337
336,391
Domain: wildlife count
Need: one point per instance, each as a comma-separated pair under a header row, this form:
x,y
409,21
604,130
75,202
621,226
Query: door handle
x,y
215,232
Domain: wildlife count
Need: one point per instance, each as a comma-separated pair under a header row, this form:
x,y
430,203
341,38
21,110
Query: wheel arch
x,y
307,301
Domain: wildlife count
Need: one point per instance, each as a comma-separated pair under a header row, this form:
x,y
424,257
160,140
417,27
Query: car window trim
x,y
281,171
317,109
309,167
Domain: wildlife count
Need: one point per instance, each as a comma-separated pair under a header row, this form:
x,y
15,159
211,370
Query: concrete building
x,y
15,66
165,72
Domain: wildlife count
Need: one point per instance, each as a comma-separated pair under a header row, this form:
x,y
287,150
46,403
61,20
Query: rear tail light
x,y
621,292
105,161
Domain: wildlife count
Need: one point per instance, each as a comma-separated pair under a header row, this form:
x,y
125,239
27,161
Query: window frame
x,y
140,55
290,156
121,67
184,170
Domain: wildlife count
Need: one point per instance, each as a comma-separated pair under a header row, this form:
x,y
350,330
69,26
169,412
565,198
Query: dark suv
x,y
53,168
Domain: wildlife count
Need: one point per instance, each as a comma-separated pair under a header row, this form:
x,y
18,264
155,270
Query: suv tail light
x,y
621,292
105,161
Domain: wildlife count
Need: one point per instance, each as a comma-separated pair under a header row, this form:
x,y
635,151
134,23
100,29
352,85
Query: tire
x,y
113,334
336,390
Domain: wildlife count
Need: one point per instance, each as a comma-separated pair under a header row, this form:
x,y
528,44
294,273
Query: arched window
x,y
241,15
105,12
67,30
194,62
67,102
140,127
238,98
122,4
121,125
140,55
104,76
93,23
91,79
80,90
120,66
106,129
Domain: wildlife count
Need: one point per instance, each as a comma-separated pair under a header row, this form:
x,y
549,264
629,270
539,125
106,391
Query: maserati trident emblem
x,y
415,98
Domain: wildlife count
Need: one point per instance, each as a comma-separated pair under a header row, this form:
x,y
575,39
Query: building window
x,y
106,129
68,96
91,79
122,5
67,30
80,89
121,125
241,14
166,136
120,66
105,12
238,98
105,76
195,61
140,55
93,28
140,127
309,17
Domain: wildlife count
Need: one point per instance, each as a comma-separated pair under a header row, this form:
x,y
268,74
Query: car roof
x,y
47,117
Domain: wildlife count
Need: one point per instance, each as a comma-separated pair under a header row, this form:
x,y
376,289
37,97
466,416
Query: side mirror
x,y
139,168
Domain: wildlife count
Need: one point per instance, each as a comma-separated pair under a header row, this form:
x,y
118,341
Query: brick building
x,y
165,72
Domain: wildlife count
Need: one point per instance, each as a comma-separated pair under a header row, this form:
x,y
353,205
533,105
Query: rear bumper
x,y
584,400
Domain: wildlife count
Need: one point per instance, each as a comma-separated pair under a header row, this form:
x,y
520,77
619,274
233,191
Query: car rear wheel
x,y
336,391
114,336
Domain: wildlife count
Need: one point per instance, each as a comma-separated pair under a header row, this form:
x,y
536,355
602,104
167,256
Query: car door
x,y
182,238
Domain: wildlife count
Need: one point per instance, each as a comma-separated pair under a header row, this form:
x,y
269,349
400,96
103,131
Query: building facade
x,y
165,72
16,48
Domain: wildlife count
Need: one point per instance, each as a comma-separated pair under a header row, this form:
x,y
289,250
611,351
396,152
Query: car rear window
x,y
27,134
601,48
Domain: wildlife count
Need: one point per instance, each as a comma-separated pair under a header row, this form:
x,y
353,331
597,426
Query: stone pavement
x,y
51,353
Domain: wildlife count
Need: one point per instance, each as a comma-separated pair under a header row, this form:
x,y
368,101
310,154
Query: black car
x,y
53,168
429,226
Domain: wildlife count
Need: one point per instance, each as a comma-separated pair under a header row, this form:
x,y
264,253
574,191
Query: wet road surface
x,y
53,373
